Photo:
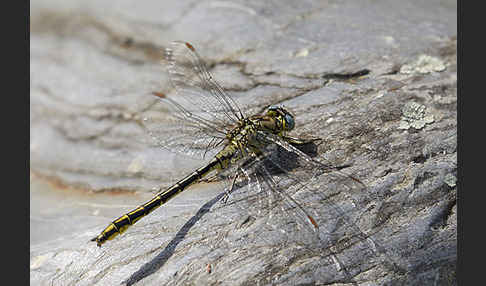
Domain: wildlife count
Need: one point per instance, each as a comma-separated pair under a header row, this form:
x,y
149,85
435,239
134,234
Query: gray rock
x,y
94,65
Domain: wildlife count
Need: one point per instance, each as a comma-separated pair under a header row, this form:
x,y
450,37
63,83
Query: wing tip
x,y
190,47
159,94
313,222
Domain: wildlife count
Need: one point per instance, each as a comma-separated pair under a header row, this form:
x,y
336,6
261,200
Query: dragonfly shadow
x,y
282,157
309,148
155,264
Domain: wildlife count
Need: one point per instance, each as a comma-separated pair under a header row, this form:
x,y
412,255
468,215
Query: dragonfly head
x,y
282,115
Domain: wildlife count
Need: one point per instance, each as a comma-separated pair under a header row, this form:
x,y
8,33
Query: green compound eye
x,y
289,120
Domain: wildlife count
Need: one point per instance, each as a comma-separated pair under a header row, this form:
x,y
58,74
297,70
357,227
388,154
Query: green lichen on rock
x,y
415,115
424,64
450,180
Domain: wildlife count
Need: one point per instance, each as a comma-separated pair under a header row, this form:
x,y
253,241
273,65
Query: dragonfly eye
x,y
284,115
289,120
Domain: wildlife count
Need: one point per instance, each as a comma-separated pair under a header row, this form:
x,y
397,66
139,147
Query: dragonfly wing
x,y
335,200
292,219
199,113
173,133
199,97
288,159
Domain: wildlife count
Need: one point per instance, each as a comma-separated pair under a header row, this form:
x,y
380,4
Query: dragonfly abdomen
x,y
122,223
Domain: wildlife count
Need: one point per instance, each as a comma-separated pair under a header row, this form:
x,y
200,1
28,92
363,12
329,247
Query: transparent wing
x,y
288,219
168,130
196,87
334,200
199,110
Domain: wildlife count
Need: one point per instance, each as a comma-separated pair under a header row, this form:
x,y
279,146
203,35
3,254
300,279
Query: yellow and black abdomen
x,y
122,223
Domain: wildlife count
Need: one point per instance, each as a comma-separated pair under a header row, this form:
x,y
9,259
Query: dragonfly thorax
x,y
243,132
277,120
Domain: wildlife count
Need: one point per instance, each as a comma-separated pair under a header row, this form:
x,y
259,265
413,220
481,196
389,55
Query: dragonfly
x,y
257,150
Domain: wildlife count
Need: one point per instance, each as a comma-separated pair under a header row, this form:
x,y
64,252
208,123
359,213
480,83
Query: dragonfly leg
x,y
225,198
300,141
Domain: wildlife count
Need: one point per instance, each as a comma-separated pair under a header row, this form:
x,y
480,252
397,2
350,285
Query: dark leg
x,y
299,141
224,199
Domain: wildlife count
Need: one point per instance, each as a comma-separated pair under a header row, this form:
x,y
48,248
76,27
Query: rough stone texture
x,y
94,65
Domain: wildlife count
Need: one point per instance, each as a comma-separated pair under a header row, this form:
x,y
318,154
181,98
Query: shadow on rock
x,y
159,261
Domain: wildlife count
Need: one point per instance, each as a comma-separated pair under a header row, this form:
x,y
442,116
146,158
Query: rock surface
x,y
93,66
